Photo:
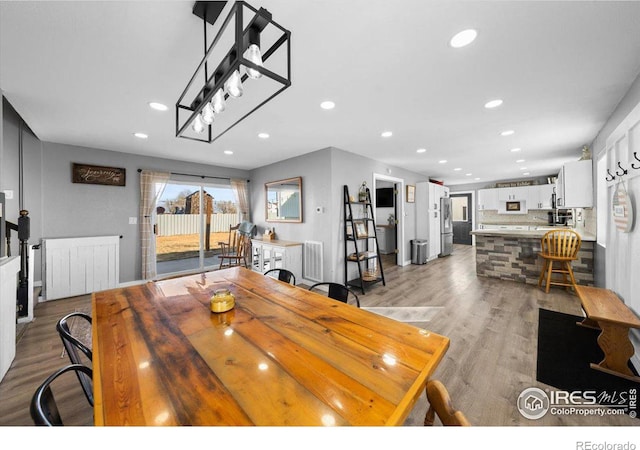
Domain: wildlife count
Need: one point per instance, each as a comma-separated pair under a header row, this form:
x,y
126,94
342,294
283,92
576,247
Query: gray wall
x,y
71,210
324,173
315,170
60,208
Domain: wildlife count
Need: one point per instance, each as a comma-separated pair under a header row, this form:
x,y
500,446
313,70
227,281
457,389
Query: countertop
x,y
532,234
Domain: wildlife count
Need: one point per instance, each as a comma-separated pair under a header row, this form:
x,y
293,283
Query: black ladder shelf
x,y
360,231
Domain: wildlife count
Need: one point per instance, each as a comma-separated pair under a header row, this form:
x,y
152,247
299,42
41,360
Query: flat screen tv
x,y
384,198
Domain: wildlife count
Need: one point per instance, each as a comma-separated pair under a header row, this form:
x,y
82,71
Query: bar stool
x,y
562,247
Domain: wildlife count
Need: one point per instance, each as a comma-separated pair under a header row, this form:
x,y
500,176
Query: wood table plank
x,y
282,356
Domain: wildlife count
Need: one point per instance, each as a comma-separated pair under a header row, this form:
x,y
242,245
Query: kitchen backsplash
x,y
532,217
585,218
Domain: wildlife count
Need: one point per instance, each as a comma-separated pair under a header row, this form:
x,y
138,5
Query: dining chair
x,y
234,256
43,408
231,239
78,351
559,246
440,404
282,275
338,292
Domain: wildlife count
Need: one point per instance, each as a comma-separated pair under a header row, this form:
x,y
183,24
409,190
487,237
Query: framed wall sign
x,y
89,174
411,193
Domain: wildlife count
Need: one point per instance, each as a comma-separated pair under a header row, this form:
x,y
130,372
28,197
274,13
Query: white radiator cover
x,y
78,266
313,261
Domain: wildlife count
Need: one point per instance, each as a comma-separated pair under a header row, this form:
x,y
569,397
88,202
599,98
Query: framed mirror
x,y
284,200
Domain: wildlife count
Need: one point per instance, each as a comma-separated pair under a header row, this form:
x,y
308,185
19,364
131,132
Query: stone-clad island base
x,y
515,257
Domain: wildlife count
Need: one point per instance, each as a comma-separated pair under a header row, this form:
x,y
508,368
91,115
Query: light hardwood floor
x,y
492,325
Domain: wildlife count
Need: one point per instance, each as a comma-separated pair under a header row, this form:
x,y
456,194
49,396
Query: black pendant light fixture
x,y
251,65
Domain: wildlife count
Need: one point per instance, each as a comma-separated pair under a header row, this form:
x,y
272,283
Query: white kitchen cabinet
x,y
434,234
574,186
488,199
428,197
422,209
540,196
435,193
513,193
277,254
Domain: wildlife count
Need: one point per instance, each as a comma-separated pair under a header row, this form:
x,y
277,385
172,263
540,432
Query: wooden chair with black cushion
x,y
338,292
561,247
44,409
282,275
440,404
79,352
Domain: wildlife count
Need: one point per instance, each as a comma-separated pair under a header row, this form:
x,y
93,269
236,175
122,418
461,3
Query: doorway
x,y
390,218
191,221
461,212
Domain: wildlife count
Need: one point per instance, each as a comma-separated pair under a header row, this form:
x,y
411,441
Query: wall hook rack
x,y
635,155
624,171
610,176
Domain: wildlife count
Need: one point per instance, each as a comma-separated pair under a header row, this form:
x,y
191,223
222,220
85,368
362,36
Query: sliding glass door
x,y
192,220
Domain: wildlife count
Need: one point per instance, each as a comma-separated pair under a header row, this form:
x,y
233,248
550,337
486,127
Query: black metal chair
x,y
338,292
75,348
283,275
44,410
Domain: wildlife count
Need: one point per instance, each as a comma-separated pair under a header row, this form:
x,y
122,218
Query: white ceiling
x,y
82,73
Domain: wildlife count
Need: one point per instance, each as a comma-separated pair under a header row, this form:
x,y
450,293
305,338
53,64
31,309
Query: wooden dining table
x,y
282,356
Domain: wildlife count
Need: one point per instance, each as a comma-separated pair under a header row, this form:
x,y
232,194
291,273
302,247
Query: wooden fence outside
x,y
178,224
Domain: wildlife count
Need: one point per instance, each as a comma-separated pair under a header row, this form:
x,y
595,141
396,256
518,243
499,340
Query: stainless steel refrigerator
x,y
446,227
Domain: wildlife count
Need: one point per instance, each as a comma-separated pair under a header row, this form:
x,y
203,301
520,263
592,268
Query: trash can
x,y
419,251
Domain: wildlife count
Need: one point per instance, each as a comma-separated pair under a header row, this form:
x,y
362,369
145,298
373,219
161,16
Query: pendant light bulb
x,y
254,55
207,114
198,124
217,102
234,85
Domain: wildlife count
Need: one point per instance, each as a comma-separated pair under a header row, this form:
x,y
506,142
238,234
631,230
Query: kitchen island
x,y
513,255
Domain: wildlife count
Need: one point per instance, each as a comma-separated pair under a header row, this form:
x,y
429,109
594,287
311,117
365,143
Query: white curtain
x,y
151,186
241,191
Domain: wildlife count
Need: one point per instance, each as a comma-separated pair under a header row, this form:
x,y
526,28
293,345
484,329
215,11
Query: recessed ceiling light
x,y
523,168
525,173
516,149
507,133
493,104
476,178
468,174
158,106
327,105
463,38
228,152
141,135
442,161
458,168
520,160
263,135
386,134
421,150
